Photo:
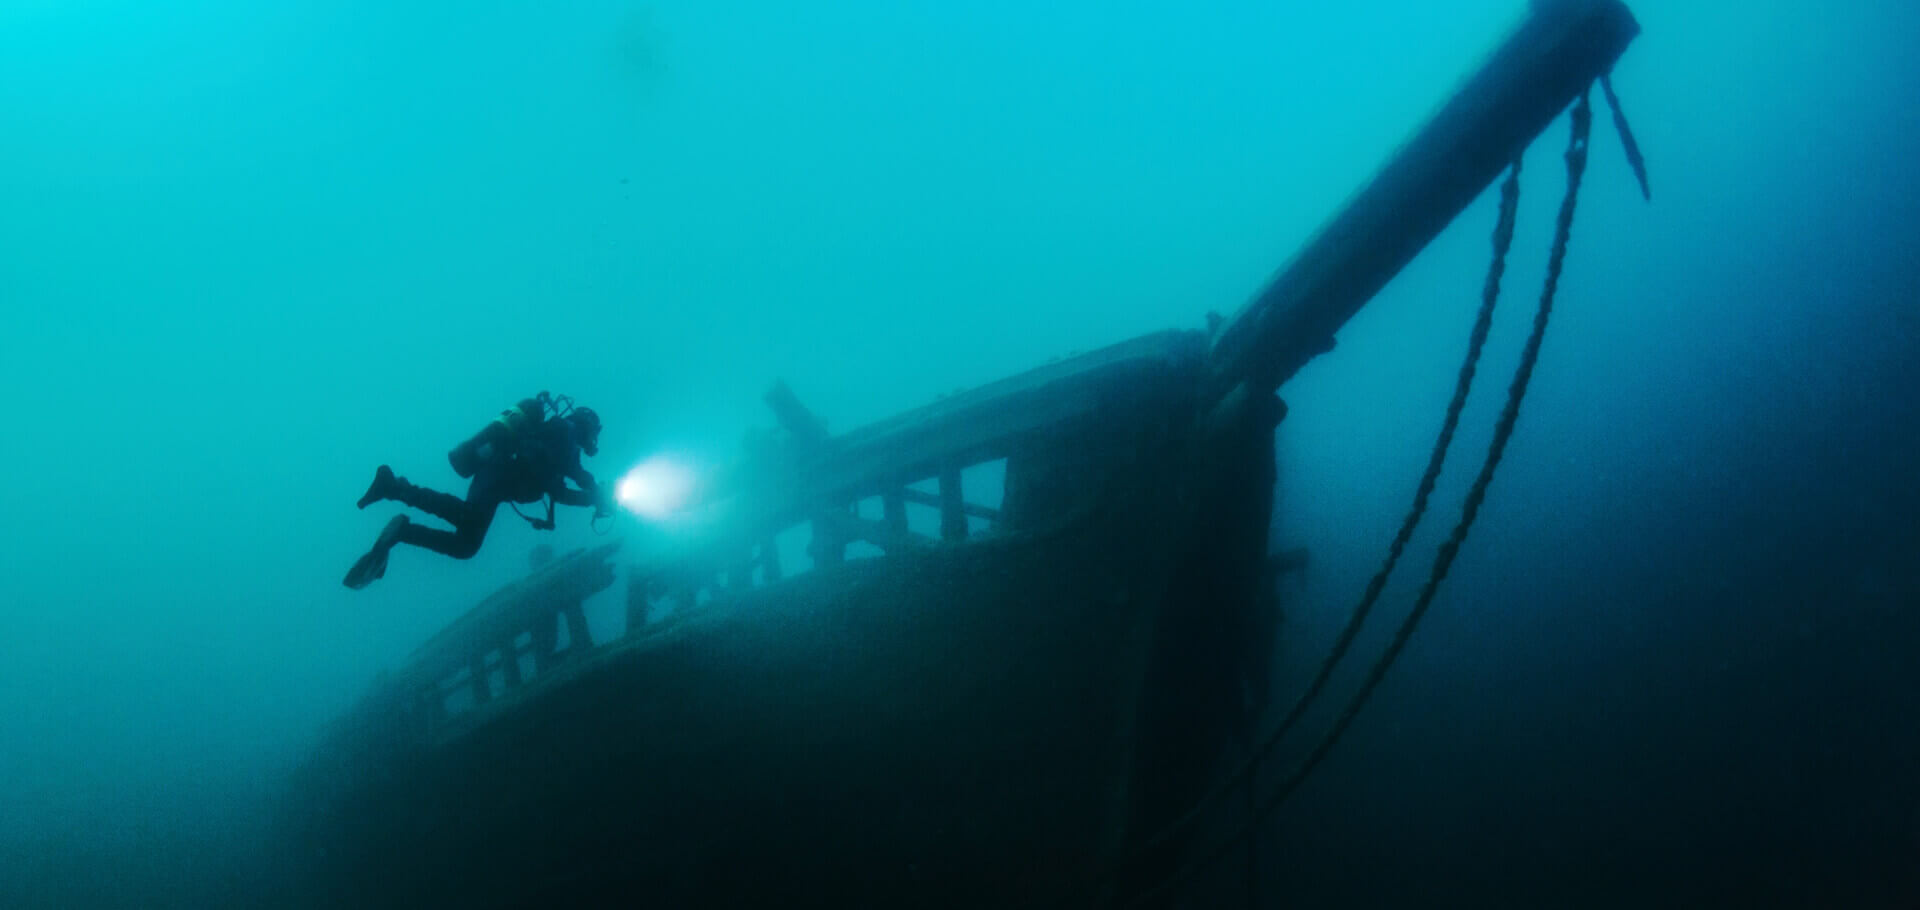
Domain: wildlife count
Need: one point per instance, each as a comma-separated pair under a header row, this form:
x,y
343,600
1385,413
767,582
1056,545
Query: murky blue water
x,y
249,251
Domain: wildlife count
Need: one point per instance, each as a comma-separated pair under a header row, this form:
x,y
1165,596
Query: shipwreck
x,y
1016,691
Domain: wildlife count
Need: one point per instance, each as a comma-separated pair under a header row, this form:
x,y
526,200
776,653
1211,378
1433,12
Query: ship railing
x,y
1004,457
916,516
523,630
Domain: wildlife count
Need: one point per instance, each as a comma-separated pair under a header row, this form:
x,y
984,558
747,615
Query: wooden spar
x,y
1555,54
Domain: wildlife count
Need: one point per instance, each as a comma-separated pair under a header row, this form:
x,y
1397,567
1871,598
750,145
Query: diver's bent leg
x,y
433,502
473,532
444,542
469,530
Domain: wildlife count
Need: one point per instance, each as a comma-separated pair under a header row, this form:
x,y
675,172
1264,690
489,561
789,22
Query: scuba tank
x,y
497,440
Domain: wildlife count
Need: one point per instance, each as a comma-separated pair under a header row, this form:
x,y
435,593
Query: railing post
x,y
769,560
482,689
895,508
829,546
740,574
639,605
546,637
510,663
579,639
953,514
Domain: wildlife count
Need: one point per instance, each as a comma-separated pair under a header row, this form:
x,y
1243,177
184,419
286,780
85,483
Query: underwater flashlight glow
x,y
655,488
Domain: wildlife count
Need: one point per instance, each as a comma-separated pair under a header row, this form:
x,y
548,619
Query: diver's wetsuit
x,y
547,458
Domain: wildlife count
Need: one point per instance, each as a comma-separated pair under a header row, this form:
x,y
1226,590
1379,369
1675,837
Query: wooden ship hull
x,y
995,711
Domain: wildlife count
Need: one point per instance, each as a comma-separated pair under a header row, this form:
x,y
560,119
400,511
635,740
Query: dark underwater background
x,y
250,251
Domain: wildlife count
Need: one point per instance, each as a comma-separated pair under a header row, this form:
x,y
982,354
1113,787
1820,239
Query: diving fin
x,y
373,565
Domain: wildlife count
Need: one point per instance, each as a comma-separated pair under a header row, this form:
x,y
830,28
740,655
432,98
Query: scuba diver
x,y
525,455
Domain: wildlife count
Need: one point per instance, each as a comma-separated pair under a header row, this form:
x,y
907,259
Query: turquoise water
x,y
248,252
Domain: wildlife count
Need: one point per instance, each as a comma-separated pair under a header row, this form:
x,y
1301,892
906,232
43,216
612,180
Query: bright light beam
x,y
655,488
